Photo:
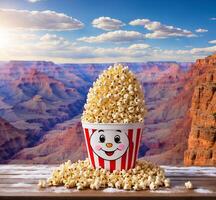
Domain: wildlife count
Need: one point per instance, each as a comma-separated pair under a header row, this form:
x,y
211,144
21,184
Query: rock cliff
x,y
202,138
65,142
12,140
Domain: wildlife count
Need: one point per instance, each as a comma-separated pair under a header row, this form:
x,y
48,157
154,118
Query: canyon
x,y
44,100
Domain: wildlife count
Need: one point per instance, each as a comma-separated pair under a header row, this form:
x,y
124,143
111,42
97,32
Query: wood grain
x,y
20,182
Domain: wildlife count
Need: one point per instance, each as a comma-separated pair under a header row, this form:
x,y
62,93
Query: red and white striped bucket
x,y
113,146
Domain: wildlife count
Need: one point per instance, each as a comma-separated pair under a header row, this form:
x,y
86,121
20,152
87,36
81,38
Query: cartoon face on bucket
x,y
109,144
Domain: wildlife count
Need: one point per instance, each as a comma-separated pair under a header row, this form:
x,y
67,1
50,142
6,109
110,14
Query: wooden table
x,y
20,182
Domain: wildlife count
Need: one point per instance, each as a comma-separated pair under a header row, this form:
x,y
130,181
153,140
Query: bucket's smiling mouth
x,y
109,153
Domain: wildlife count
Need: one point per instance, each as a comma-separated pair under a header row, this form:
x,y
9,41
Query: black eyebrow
x,y
101,130
118,131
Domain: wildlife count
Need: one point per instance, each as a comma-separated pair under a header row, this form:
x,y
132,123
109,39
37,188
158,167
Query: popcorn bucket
x,y
113,146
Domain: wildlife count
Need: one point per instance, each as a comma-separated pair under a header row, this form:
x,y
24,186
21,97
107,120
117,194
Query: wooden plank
x,y
11,181
20,182
174,183
45,176
33,178
64,191
53,193
170,170
25,176
176,186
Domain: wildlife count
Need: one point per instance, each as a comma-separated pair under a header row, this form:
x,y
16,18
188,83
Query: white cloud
x,y
56,48
212,42
201,30
203,50
107,23
53,41
135,52
34,1
59,49
194,51
52,38
37,20
139,46
161,31
213,18
114,36
139,22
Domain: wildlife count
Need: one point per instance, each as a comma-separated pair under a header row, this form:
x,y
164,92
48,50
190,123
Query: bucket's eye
x,y
117,139
102,138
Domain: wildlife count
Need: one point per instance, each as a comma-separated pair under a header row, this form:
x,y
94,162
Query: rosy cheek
x,y
98,147
121,146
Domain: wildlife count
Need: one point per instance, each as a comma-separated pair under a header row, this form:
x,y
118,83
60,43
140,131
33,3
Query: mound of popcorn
x,y
81,175
116,97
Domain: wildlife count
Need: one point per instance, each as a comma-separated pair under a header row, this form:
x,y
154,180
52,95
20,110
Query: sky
x,y
99,31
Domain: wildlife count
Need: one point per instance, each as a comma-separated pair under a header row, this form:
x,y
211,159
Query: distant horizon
x,y
162,61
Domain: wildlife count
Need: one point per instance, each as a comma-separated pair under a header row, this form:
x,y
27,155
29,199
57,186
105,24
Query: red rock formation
x,y
12,140
202,139
63,143
36,101
169,121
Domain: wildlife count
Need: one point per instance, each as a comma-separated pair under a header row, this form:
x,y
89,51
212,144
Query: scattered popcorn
x,y
143,185
152,186
127,186
42,184
82,176
136,187
80,186
167,182
116,97
188,185
118,184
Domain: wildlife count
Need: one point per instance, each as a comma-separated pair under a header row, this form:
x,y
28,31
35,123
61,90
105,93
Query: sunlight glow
x,y
4,39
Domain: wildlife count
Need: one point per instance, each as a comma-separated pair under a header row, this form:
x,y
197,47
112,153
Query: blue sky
x,y
107,31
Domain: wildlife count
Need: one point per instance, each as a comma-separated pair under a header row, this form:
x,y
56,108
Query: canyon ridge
x,y
41,103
